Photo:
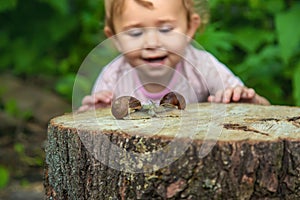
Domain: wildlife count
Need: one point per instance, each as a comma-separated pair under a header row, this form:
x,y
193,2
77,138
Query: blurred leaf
x,y
254,3
64,86
214,40
251,39
259,71
60,26
26,114
288,29
4,177
82,87
274,6
213,3
23,56
83,83
24,183
261,62
4,39
296,85
39,161
10,107
270,52
19,148
7,5
61,6
5,54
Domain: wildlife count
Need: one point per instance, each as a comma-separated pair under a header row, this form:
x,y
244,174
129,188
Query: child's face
x,y
154,38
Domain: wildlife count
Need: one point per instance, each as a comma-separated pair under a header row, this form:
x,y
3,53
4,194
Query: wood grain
x,y
208,151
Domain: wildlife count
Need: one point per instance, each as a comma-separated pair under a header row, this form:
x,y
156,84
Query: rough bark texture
x,y
256,156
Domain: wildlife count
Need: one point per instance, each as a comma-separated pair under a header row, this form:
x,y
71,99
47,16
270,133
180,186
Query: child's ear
x,y
193,25
108,32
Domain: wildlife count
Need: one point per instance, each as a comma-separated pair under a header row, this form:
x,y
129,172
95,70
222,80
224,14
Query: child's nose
x,y
151,39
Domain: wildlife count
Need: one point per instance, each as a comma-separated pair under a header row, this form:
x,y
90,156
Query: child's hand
x,y
238,94
98,100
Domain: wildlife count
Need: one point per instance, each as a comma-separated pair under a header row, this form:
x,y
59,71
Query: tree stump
x,y
208,151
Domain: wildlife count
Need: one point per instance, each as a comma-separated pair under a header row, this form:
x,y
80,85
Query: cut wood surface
x,y
208,151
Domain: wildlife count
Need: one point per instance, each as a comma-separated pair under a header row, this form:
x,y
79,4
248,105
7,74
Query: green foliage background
x,y
259,41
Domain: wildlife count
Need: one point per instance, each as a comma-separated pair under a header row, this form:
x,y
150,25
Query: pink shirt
x,y
196,77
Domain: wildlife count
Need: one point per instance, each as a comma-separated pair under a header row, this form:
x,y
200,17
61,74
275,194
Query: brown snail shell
x,y
123,105
173,99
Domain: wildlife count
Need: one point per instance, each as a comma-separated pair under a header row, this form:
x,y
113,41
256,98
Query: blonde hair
x,y
200,7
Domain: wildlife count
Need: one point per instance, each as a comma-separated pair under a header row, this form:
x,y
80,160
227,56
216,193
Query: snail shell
x,y
173,99
123,105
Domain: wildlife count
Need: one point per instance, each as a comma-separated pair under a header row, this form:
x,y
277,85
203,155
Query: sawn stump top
x,y
223,122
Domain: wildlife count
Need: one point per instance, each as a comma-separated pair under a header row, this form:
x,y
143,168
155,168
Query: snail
x,y
124,105
172,99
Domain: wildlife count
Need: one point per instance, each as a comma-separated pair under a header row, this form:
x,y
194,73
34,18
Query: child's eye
x,y
135,32
165,29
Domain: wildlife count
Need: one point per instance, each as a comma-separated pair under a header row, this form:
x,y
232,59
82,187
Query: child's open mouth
x,y
155,59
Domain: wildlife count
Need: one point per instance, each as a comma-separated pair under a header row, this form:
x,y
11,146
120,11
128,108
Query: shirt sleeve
x,y
214,73
108,76
220,77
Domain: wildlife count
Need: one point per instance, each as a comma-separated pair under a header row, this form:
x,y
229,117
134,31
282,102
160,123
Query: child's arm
x,y
238,94
97,100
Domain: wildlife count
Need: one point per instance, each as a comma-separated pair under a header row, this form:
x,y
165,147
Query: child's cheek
x,y
128,44
177,47
132,57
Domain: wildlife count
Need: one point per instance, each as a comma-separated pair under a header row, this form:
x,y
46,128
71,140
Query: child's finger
x,y
83,108
104,96
251,93
218,96
87,100
211,98
227,95
237,94
248,93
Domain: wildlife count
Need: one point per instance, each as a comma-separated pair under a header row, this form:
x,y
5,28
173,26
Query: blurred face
x,y
154,39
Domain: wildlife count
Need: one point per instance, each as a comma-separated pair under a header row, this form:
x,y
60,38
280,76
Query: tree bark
x,y
208,151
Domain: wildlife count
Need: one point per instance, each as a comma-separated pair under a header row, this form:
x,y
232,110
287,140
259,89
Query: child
x,y
154,37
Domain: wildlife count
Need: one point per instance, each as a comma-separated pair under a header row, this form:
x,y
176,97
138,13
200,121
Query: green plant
x,y
11,108
48,38
4,176
26,159
260,42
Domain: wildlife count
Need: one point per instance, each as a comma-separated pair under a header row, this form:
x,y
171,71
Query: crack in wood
x,y
284,170
243,128
294,121
294,118
269,119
